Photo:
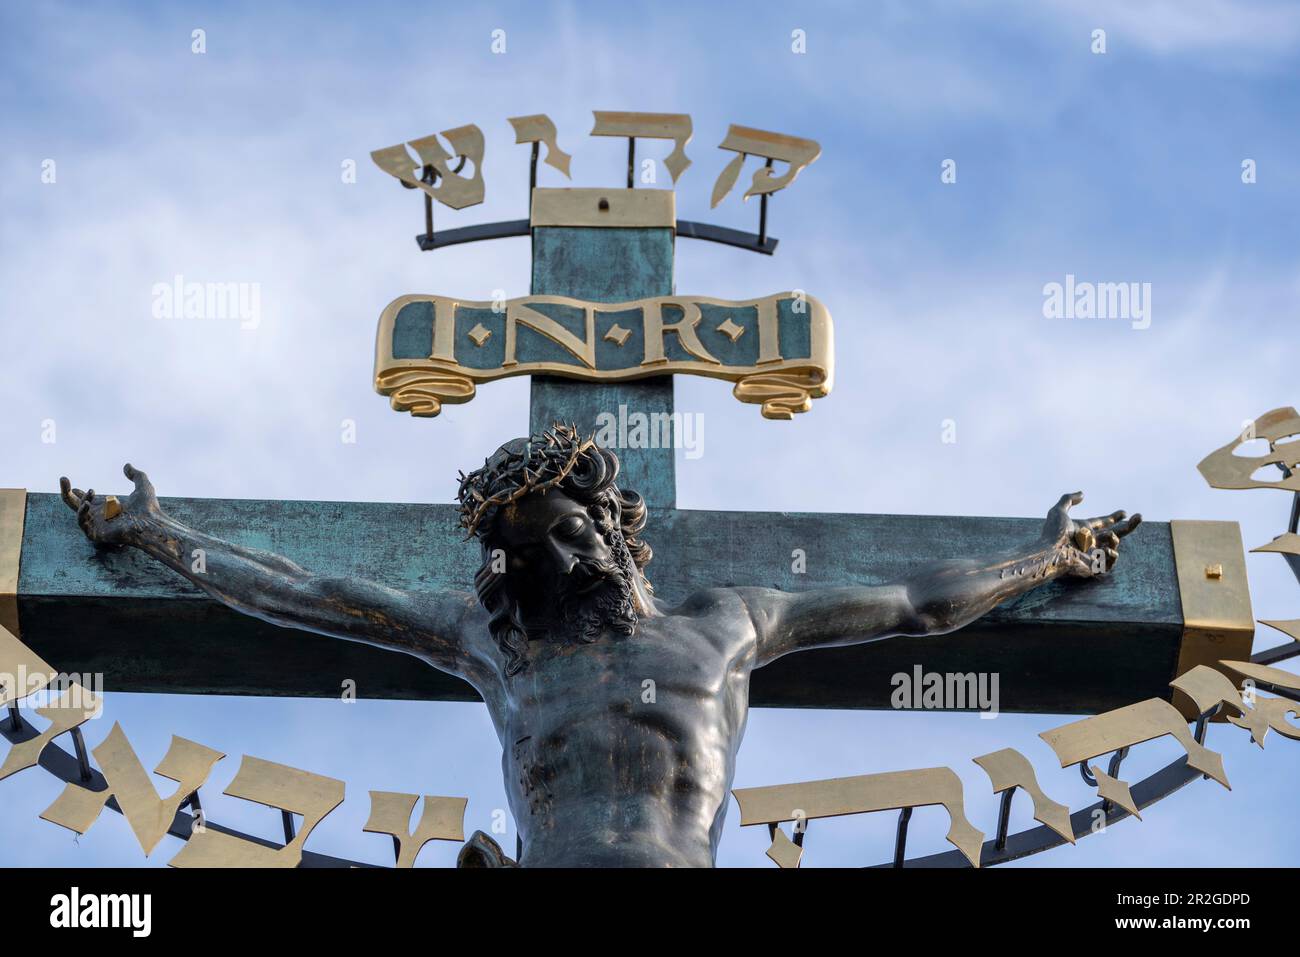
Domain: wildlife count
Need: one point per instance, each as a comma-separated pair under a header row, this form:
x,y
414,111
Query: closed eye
x,y
571,527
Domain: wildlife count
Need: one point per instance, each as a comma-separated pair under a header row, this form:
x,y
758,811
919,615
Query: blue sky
x,y
225,167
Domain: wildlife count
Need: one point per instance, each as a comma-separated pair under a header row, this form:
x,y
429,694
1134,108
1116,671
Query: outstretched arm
x,y
939,598
277,590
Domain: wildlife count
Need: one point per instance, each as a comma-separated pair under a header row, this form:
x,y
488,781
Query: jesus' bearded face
x,y
568,568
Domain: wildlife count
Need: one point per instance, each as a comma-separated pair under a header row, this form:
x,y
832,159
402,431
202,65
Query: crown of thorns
x,y
519,468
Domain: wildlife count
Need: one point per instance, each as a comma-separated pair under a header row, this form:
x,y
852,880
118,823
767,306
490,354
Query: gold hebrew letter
x,y
653,126
746,141
1133,724
73,708
450,189
538,128
275,785
1008,769
783,852
1222,469
186,762
890,790
22,671
1287,543
1267,713
390,813
1208,689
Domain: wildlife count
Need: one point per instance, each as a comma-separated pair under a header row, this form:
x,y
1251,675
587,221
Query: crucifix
x,y
617,640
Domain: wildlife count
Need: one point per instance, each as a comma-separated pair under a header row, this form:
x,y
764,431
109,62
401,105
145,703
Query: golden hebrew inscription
x,y
186,762
1009,768
1222,469
275,785
538,128
1133,724
891,790
72,708
746,141
390,813
433,350
451,188
652,126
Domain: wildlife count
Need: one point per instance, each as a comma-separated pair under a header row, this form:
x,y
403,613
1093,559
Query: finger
x,y
1112,556
1069,499
1107,539
83,516
130,471
1103,521
1124,528
65,490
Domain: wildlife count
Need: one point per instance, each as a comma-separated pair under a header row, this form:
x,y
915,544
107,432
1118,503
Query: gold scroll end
x,y
1210,562
423,392
13,513
781,394
619,208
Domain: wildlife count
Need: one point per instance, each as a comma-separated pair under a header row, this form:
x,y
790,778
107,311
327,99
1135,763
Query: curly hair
x,y
556,459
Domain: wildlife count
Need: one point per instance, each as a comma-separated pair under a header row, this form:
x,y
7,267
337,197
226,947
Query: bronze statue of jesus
x,y
565,634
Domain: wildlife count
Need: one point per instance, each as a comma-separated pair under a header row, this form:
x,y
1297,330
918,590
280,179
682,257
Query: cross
x,y
1064,648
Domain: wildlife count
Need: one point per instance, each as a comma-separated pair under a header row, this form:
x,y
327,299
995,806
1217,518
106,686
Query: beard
x,y
598,598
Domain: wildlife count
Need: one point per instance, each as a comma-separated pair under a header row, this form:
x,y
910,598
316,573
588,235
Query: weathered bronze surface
x,y
619,715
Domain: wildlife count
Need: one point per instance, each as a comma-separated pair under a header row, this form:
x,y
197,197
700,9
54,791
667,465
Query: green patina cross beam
x,y
1077,648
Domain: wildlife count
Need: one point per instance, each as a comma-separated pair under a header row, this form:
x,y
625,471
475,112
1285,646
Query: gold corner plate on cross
x,y
778,351
13,514
618,208
1218,623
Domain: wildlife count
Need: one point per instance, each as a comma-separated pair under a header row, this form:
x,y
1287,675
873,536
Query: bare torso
x,y
621,752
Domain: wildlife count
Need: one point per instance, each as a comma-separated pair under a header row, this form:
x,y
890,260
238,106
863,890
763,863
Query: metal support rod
x,y
15,717
429,177
1116,760
631,159
1088,779
900,839
532,171
1004,818
397,849
762,213
83,759
286,817
800,829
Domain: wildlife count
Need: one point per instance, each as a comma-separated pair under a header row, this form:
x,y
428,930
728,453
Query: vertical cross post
x,y
609,263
